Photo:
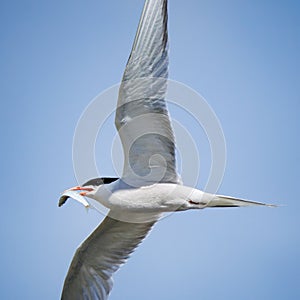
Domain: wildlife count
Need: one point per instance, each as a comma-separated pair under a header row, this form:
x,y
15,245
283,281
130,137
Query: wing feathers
x,y
142,117
101,254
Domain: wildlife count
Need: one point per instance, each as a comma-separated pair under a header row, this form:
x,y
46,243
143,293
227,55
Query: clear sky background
x,y
242,56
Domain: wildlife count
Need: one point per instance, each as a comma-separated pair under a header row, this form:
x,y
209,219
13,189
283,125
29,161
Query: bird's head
x,y
88,188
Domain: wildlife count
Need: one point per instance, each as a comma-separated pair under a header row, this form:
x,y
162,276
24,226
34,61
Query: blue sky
x,y
242,56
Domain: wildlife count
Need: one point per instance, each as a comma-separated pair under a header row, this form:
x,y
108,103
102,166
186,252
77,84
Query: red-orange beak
x,y
82,188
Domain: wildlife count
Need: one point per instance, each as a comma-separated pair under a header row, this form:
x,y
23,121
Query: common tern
x,y
150,184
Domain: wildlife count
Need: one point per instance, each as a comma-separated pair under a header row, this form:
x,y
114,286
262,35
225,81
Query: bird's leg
x,y
196,204
193,202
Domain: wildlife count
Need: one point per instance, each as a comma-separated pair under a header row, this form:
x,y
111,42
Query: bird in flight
x,y
149,185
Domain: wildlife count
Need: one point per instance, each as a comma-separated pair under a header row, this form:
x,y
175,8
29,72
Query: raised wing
x,y
142,117
90,274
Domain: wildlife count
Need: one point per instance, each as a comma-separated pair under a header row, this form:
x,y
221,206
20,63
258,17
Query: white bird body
x,y
149,185
161,197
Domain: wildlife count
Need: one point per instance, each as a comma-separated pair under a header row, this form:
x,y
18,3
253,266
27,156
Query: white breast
x,y
159,197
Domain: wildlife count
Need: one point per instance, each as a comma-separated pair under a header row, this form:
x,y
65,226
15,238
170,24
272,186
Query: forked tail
x,y
226,201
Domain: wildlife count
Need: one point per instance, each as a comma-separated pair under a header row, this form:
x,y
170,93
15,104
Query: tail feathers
x,y
226,201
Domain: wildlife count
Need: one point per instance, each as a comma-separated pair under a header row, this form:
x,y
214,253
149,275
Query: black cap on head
x,y
94,182
99,181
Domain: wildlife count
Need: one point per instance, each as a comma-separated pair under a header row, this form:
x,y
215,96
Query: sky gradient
x,y
242,57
